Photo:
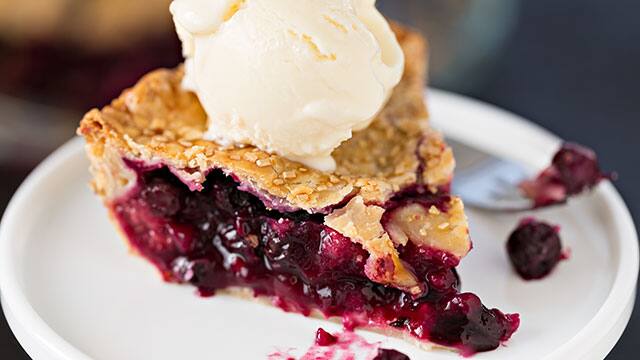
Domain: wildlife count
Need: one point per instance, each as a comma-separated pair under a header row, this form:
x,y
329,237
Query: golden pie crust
x,y
158,122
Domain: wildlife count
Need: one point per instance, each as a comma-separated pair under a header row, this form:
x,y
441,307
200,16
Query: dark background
x,y
571,66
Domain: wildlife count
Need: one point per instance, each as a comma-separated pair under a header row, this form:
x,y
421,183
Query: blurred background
x,y
573,66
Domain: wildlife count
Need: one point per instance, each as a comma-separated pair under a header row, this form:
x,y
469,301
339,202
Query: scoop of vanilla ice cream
x,y
291,77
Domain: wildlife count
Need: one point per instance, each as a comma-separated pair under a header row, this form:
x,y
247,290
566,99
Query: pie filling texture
x,y
223,237
535,249
574,169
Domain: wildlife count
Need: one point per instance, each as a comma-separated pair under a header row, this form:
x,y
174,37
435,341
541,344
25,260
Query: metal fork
x,y
487,182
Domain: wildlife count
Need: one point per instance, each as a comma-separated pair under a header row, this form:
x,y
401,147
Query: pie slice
x,y
374,244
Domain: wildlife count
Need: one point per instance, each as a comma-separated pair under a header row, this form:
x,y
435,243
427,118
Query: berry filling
x,y
390,354
534,249
222,237
574,169
343,345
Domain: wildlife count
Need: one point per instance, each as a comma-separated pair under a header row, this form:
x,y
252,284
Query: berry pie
x,y
374,243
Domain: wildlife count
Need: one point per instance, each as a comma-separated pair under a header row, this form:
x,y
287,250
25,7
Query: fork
x,y
487,182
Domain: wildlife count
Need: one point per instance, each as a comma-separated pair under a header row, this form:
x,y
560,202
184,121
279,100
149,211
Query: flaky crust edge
x,y
157,122
109,141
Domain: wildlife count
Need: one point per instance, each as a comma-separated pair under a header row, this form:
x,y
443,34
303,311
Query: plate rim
x,y
606,325
24,321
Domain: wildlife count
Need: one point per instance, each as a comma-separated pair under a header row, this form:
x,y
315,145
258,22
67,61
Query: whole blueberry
x,y
577,167
534,249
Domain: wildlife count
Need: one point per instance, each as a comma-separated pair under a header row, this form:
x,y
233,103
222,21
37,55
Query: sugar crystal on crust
x,y
156,121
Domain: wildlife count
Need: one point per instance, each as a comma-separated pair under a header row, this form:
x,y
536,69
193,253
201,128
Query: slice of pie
x,y
374,244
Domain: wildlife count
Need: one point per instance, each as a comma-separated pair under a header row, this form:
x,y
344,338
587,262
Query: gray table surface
x,y
573,67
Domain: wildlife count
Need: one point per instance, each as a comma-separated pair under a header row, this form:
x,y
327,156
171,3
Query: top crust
x,y
159,123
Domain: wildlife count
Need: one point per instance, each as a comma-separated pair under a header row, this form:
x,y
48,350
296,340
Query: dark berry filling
x,y
223,237
390,354
534,249
574,169
418,195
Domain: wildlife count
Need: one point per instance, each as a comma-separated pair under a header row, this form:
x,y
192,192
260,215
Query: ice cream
x,y
291,77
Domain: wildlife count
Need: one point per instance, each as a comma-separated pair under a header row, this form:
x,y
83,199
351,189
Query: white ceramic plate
x,y
71,290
